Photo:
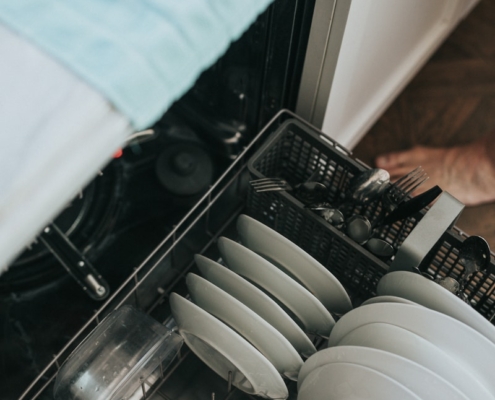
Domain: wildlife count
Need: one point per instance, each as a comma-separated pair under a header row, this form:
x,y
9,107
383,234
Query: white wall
x,y
385,43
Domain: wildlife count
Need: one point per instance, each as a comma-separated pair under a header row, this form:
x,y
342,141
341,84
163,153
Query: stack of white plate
x,y
415,340
251,321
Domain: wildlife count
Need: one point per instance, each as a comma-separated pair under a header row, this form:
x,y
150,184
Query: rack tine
x,y
229,382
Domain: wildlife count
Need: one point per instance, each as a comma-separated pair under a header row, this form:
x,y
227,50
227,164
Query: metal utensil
x,y
307,192
393,199
358,228
328,213
412,206
474,255
332,216
363,187
380,247
449,283
368,185
398,191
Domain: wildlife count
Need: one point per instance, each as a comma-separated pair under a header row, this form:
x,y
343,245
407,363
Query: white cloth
x,y
56,132
142,55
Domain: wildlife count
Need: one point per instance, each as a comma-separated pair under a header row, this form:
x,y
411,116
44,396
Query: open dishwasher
x,y
287,147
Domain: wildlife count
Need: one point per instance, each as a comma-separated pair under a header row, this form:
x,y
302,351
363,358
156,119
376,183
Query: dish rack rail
x,y
290,148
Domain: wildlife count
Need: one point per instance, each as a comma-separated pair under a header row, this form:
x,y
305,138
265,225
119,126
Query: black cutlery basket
x,y
298,152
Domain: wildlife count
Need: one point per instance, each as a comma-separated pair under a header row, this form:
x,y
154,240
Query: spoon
x,y
368,185
332,215
406,209
363,188
358,228
310,192
474,254
450,284
454,287
380,247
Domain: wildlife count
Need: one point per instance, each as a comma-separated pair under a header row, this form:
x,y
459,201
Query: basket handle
x,y
440,217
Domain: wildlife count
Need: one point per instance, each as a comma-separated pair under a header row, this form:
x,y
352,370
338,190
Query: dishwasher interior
x,y
163,271
130,206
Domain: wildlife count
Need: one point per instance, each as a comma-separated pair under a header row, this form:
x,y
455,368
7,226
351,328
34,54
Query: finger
x,y
398,172
409,158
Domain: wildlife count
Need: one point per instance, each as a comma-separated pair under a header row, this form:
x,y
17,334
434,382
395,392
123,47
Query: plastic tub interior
x,y
119,359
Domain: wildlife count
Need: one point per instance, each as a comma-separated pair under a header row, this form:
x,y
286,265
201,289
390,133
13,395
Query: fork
x,y
307,192
270,184
403,187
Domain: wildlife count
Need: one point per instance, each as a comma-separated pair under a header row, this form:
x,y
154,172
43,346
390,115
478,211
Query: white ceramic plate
x,y
401,342
417,288
256,300
345,381
306,307
224,351
458,340
388,299
419,380
270,342
286,255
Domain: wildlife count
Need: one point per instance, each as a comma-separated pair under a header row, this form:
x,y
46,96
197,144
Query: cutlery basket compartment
x,y
298,152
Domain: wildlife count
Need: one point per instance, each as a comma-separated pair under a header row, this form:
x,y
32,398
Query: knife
x,y
412,206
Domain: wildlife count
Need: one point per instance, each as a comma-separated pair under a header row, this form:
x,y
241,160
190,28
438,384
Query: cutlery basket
x,y
298,152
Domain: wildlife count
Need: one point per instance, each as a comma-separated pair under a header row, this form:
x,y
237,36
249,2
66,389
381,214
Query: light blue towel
x,y
140,54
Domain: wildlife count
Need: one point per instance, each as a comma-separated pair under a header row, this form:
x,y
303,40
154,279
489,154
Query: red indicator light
x,y
118,153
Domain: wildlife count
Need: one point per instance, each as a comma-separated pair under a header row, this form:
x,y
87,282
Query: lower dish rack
x,y
287,147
